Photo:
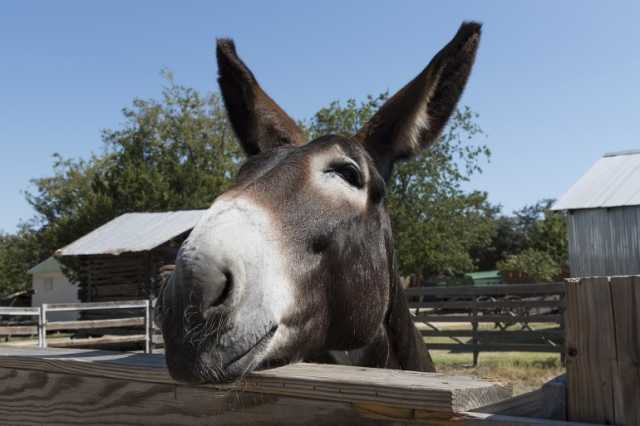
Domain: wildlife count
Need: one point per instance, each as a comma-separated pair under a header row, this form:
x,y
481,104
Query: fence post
x,y
603,350
40,340
563,328
43,326
147,327
474,324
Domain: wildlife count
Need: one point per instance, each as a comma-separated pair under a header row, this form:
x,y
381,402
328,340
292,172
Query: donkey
x,y
296,261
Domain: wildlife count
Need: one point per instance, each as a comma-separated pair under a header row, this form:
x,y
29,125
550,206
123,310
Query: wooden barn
x,y
121,260
603,217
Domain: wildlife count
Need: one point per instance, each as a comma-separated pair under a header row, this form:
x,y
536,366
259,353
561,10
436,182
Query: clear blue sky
x,y
557,83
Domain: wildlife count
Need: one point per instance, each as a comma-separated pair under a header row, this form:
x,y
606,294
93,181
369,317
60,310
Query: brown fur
x,y
325,199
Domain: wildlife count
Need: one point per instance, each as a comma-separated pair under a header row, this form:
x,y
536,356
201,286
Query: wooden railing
x,y
21,329
43,325
131,388
511,310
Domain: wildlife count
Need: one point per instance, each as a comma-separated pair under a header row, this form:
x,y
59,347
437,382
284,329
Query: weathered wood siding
x,y
603,350
604,241
109,278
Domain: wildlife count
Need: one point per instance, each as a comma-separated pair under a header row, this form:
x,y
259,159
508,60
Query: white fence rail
x,y
43,325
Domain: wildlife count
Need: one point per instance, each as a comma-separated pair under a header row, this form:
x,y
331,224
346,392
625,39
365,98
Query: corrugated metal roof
x,y
133,232
613,181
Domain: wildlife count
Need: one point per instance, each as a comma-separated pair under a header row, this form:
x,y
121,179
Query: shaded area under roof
x,y
613,181
133,232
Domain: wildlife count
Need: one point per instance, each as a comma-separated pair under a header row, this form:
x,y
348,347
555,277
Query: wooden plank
x,y
484,419
92,324
555,333
524,304
591,355
97,387
626,307
426,317
35,398
93,342
18,330
111,299
26,311
506,347
498,290
547,402
426,391
122,304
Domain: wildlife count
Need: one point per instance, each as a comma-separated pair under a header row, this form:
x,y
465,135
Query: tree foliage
x,y
435,222
531,265
18,253
534,227
179,152
173,154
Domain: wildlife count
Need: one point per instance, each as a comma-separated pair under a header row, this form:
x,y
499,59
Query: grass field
x,y
525,371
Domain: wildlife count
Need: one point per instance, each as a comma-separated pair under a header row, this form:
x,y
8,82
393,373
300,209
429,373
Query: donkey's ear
x,y
257,120
414,117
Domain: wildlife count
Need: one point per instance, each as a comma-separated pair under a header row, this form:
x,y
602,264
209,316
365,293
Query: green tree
x,y
506,240
18,253
533,227
435,222
179,153
529,266
174,154
549,235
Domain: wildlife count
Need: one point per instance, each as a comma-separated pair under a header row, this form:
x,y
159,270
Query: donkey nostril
x,y
205,282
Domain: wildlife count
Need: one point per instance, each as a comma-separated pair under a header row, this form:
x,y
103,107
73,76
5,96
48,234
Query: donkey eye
x,y
350,173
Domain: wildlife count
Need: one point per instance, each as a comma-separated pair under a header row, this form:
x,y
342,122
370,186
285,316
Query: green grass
x,y
525,371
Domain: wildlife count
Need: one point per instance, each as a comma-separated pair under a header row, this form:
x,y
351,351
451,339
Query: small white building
x,y
50,285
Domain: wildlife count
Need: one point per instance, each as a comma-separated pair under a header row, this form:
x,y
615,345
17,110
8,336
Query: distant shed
x,y
603,217
121,259
485,278
50,285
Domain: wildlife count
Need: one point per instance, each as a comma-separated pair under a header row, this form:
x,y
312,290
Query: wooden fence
x,y
603,350
43,325
100,387
602,385
512,310
22,329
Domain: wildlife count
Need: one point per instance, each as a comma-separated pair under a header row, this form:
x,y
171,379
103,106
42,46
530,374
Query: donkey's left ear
x,y
414,117
259,123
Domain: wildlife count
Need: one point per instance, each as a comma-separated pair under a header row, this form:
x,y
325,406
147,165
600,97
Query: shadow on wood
x,y
63,386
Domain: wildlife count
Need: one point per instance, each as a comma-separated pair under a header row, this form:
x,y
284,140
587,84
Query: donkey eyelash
x,y
349,172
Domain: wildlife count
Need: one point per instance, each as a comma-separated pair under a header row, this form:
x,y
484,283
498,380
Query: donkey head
x,y
296,259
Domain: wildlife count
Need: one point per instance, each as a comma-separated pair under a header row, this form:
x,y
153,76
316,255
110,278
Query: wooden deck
x,y
71,386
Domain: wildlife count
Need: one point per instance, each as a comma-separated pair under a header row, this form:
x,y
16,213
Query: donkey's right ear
x,y
259,123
